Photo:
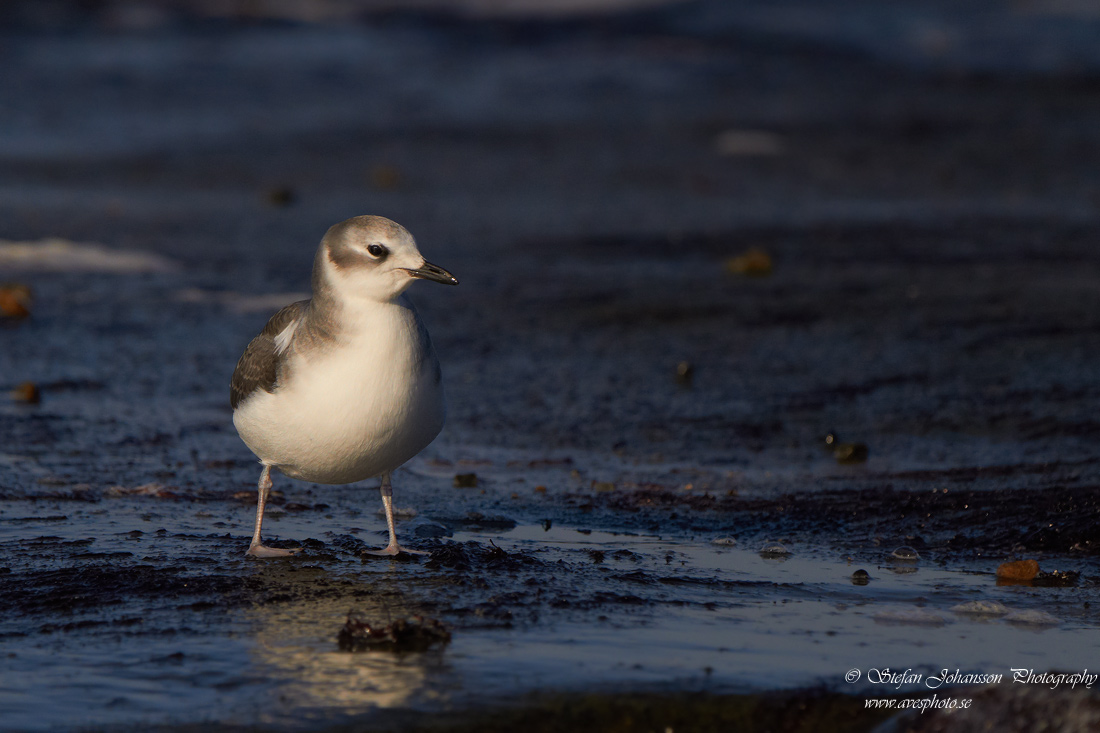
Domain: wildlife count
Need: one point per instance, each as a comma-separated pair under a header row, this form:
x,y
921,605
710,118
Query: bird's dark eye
x,y
377,250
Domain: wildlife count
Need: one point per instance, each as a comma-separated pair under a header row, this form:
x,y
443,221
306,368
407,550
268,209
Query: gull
x,y
344,386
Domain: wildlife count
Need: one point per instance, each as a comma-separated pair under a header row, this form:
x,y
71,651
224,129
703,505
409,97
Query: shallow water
x,y
595,610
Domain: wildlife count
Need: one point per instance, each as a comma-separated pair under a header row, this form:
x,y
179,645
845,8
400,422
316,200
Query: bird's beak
x,y
428,271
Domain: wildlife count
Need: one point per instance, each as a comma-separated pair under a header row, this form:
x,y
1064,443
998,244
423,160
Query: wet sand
x,y
930,217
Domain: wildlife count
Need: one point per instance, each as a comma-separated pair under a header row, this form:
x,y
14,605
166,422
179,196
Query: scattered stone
x,y
602,487
385,177
684,373
15,301
753,262
281,196
724,541
1019,571
414,634
465,480
848,453
861,577
27,393
845,452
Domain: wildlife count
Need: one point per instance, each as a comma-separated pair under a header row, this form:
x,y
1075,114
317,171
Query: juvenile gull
x,y
344,386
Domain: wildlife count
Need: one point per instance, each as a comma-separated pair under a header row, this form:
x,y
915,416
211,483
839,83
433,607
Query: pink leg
x,y
387,502
257,549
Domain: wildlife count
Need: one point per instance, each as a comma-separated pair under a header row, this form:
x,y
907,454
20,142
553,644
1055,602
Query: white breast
x,y
353,409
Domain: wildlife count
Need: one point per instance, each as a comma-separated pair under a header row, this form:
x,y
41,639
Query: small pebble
x,y
27,393
850,453
724,541
281,196
15,300
385,177
753,262
465,480
861,577
684,373
1018,571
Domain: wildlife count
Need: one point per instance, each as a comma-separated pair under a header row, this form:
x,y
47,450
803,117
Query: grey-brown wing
x,y
258,367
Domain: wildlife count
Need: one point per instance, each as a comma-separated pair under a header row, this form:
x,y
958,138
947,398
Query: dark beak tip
x,y
435,273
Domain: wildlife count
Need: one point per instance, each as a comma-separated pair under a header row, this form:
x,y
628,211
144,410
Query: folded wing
x,y
258,367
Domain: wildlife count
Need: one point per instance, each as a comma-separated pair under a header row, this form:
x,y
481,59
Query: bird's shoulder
x,y
258,367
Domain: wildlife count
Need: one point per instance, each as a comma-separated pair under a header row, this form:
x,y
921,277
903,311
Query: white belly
x,y
353,410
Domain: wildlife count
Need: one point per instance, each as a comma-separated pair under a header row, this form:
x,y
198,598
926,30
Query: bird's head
x,y
371,258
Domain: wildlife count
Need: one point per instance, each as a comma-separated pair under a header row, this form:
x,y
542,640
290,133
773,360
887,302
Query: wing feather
x,y
258,367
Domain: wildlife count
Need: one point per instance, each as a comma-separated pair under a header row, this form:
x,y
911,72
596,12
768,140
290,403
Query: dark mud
x,y
633,420
957,523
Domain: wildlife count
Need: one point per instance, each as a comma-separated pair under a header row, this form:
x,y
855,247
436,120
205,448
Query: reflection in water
x,y
295,647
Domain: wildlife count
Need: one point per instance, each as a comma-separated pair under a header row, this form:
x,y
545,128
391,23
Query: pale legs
x,y
256,549
387,501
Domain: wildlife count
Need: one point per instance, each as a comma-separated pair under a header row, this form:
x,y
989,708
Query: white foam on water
x,y
61,255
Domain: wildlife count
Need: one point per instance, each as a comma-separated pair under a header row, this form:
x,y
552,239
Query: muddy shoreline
x,y
635,414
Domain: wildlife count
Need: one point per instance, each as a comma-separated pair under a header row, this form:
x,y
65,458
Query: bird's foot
x,y
394,549
264,551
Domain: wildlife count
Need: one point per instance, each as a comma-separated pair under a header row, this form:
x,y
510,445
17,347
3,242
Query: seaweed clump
x,y
414,634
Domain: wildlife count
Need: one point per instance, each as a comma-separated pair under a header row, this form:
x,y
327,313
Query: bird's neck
x,y
332,317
